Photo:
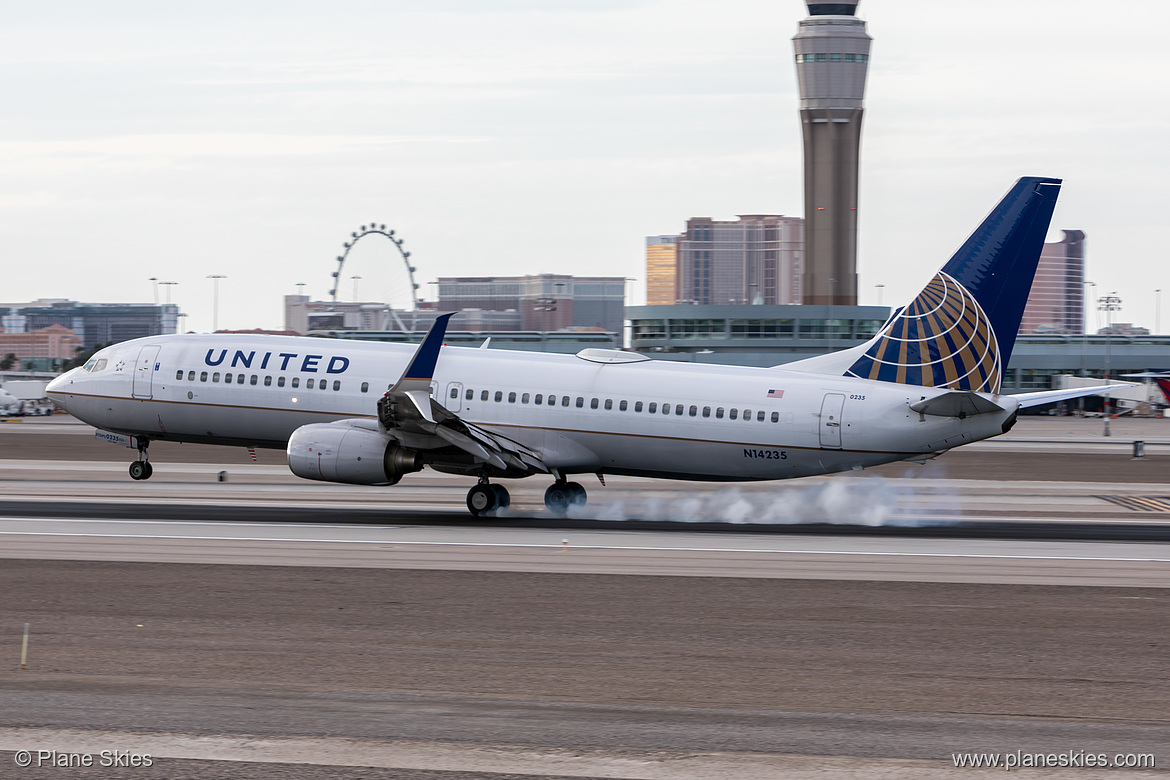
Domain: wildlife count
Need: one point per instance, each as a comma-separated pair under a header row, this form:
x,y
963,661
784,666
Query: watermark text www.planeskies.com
x,y
1069,759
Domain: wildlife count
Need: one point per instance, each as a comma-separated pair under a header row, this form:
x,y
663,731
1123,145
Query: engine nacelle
x,y
342,453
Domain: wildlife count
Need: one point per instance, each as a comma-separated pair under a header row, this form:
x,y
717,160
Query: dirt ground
x,y
621,641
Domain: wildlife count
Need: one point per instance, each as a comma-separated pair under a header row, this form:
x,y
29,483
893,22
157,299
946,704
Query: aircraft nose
x,y
56,388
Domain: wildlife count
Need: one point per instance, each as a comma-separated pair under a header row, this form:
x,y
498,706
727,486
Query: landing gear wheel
x,y
562,495
577,495
482,499
556,498
149,470
503,500
140,469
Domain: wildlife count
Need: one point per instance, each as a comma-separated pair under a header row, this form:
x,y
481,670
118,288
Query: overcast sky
x,y
147,139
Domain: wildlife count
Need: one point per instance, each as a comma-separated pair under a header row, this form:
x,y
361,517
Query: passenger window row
x,y
652,407
254,379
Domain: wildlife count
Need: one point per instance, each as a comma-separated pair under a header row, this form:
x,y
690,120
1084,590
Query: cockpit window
x,y
94,364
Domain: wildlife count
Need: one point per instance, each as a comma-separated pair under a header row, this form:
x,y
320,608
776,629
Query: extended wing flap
x,y
467,444
517,455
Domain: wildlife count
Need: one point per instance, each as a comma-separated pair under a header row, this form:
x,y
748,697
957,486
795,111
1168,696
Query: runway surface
x,y
192,618
743,673
1047,561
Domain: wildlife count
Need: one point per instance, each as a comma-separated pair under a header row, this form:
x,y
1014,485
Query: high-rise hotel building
x,y
1057,301
755,258
661,270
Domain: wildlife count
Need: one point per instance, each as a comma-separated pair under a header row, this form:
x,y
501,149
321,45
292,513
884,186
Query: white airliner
x,y
8,402
928,382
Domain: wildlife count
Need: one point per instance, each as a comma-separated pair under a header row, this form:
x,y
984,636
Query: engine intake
x,y
342,453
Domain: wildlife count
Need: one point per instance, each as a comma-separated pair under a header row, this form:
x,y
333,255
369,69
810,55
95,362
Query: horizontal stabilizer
x,y
956,404
1052,396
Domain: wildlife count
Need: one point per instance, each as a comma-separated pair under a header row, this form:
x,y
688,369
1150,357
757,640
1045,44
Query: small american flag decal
x,y
775,393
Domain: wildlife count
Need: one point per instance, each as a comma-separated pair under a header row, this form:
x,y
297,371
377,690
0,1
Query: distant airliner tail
x,y
1164,386
959,331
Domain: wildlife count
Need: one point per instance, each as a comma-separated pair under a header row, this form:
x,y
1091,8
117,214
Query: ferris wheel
x,y
412,286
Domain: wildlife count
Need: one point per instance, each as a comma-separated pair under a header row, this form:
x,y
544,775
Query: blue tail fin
x,y
960,330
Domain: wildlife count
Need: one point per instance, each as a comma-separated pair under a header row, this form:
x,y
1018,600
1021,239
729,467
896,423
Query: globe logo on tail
x,y
942,339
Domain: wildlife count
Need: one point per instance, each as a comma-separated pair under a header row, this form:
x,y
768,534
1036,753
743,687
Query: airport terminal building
x,y
774,335
93,323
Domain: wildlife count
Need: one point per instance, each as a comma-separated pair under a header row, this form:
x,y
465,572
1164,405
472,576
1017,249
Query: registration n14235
x,y
765,454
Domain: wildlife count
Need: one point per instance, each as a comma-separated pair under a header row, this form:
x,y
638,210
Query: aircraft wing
x,y
409,413
1051,396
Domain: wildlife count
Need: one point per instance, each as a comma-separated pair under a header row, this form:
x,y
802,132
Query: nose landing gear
x,y
484,498
562,495
141,468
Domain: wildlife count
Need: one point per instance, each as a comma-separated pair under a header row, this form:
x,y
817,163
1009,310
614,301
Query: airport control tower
x,y
832,57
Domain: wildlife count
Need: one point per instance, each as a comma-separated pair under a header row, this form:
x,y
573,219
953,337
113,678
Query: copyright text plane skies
x,y
928,382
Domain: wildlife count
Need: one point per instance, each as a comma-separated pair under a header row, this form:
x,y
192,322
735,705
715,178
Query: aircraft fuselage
x,y
650,418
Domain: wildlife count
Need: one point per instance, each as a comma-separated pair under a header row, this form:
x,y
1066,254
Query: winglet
x,y
422,366
415,384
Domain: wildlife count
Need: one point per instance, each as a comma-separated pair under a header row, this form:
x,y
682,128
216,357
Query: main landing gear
x,y
561,495
484,498
141,468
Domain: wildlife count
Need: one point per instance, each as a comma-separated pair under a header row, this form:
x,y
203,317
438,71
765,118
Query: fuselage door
x,y
454,399
144,371
831,409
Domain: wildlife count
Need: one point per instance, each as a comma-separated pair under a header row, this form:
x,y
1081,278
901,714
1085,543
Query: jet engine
x,y
342,453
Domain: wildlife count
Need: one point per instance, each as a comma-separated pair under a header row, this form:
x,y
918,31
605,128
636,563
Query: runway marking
x,y
238,523
1139,503
392,543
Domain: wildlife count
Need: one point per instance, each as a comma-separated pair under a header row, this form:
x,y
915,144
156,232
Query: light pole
x,y
355,280
1092,297
832,290
1084,338
215,300
1085,331
1157,312
1108,304
168,285
880,287
154,285
300,288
